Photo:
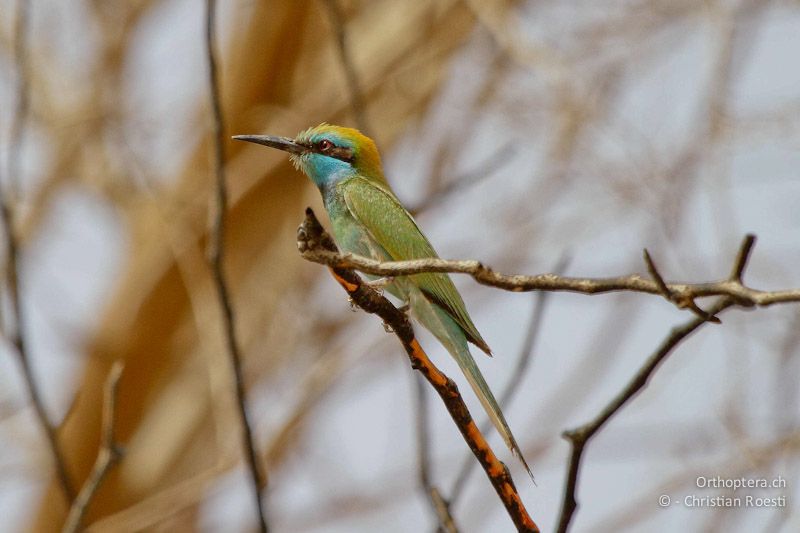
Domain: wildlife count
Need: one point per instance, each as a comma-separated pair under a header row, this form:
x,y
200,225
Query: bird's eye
x,y
324,145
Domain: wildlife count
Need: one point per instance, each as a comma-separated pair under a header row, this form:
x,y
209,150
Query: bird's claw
x,y
353,304
387,328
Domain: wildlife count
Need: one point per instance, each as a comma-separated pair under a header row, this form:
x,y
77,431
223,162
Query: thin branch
x,y
353,85
16,333
310,235
651,268
742,295
216,253
579,437
742,257
108,456
439,506
682,303
523,362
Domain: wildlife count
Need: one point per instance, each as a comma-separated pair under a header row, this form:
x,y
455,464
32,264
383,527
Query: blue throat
x,y
326,171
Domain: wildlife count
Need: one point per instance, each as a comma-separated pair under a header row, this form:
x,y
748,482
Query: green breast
x,y
350,235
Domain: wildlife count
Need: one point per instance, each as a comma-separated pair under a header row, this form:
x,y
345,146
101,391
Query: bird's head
x,y
327,153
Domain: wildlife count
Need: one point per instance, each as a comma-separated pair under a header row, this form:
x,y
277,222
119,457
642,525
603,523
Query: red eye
x,y
324,145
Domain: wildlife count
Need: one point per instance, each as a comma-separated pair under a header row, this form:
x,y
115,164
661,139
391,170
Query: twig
x,y
354,87
682,303
16,333
216,254
439,506
109,454
310,235
651,267
523,361
580,436
742,295
742,258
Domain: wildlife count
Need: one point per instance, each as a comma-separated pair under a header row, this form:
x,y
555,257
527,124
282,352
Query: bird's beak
x,y
281,143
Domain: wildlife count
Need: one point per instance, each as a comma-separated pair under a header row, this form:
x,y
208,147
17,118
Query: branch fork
x,y
315,245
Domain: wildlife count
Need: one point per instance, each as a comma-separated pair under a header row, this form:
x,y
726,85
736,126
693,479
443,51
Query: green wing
x,y
395,230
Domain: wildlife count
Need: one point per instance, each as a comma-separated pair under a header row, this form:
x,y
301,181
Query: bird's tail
x,y
452,337
488,401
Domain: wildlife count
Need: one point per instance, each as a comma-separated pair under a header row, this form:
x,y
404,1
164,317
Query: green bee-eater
x,y
369,220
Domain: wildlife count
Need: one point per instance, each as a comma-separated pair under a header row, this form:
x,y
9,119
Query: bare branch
x,y
16,333
682,292
107,457
580,436
732,290
651,268
311,235
216,253
742,257
670,296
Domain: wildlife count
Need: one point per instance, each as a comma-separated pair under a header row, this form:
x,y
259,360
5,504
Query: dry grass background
x,y
551,73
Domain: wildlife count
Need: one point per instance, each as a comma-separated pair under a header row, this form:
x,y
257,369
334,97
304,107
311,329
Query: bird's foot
x,y
387,328
353,304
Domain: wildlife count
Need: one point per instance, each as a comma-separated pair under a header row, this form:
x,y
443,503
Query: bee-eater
x,y
368,220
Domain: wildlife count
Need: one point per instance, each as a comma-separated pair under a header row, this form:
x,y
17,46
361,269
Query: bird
x,y
367,219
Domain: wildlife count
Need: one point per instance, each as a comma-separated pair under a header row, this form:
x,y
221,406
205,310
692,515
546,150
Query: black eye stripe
x,y
342,153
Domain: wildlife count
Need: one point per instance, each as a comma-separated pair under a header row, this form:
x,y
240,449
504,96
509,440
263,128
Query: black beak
x,y
281,143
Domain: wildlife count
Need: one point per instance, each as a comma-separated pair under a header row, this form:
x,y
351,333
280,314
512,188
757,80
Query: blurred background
x,y
521,132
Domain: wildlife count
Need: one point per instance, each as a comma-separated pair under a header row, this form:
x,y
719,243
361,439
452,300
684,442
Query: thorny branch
x,y
680,293
311,236
216,253
665,291
579,437
107,457
16,333
733,292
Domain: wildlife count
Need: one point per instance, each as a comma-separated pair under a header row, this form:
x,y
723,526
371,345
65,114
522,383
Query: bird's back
x,y
375,220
